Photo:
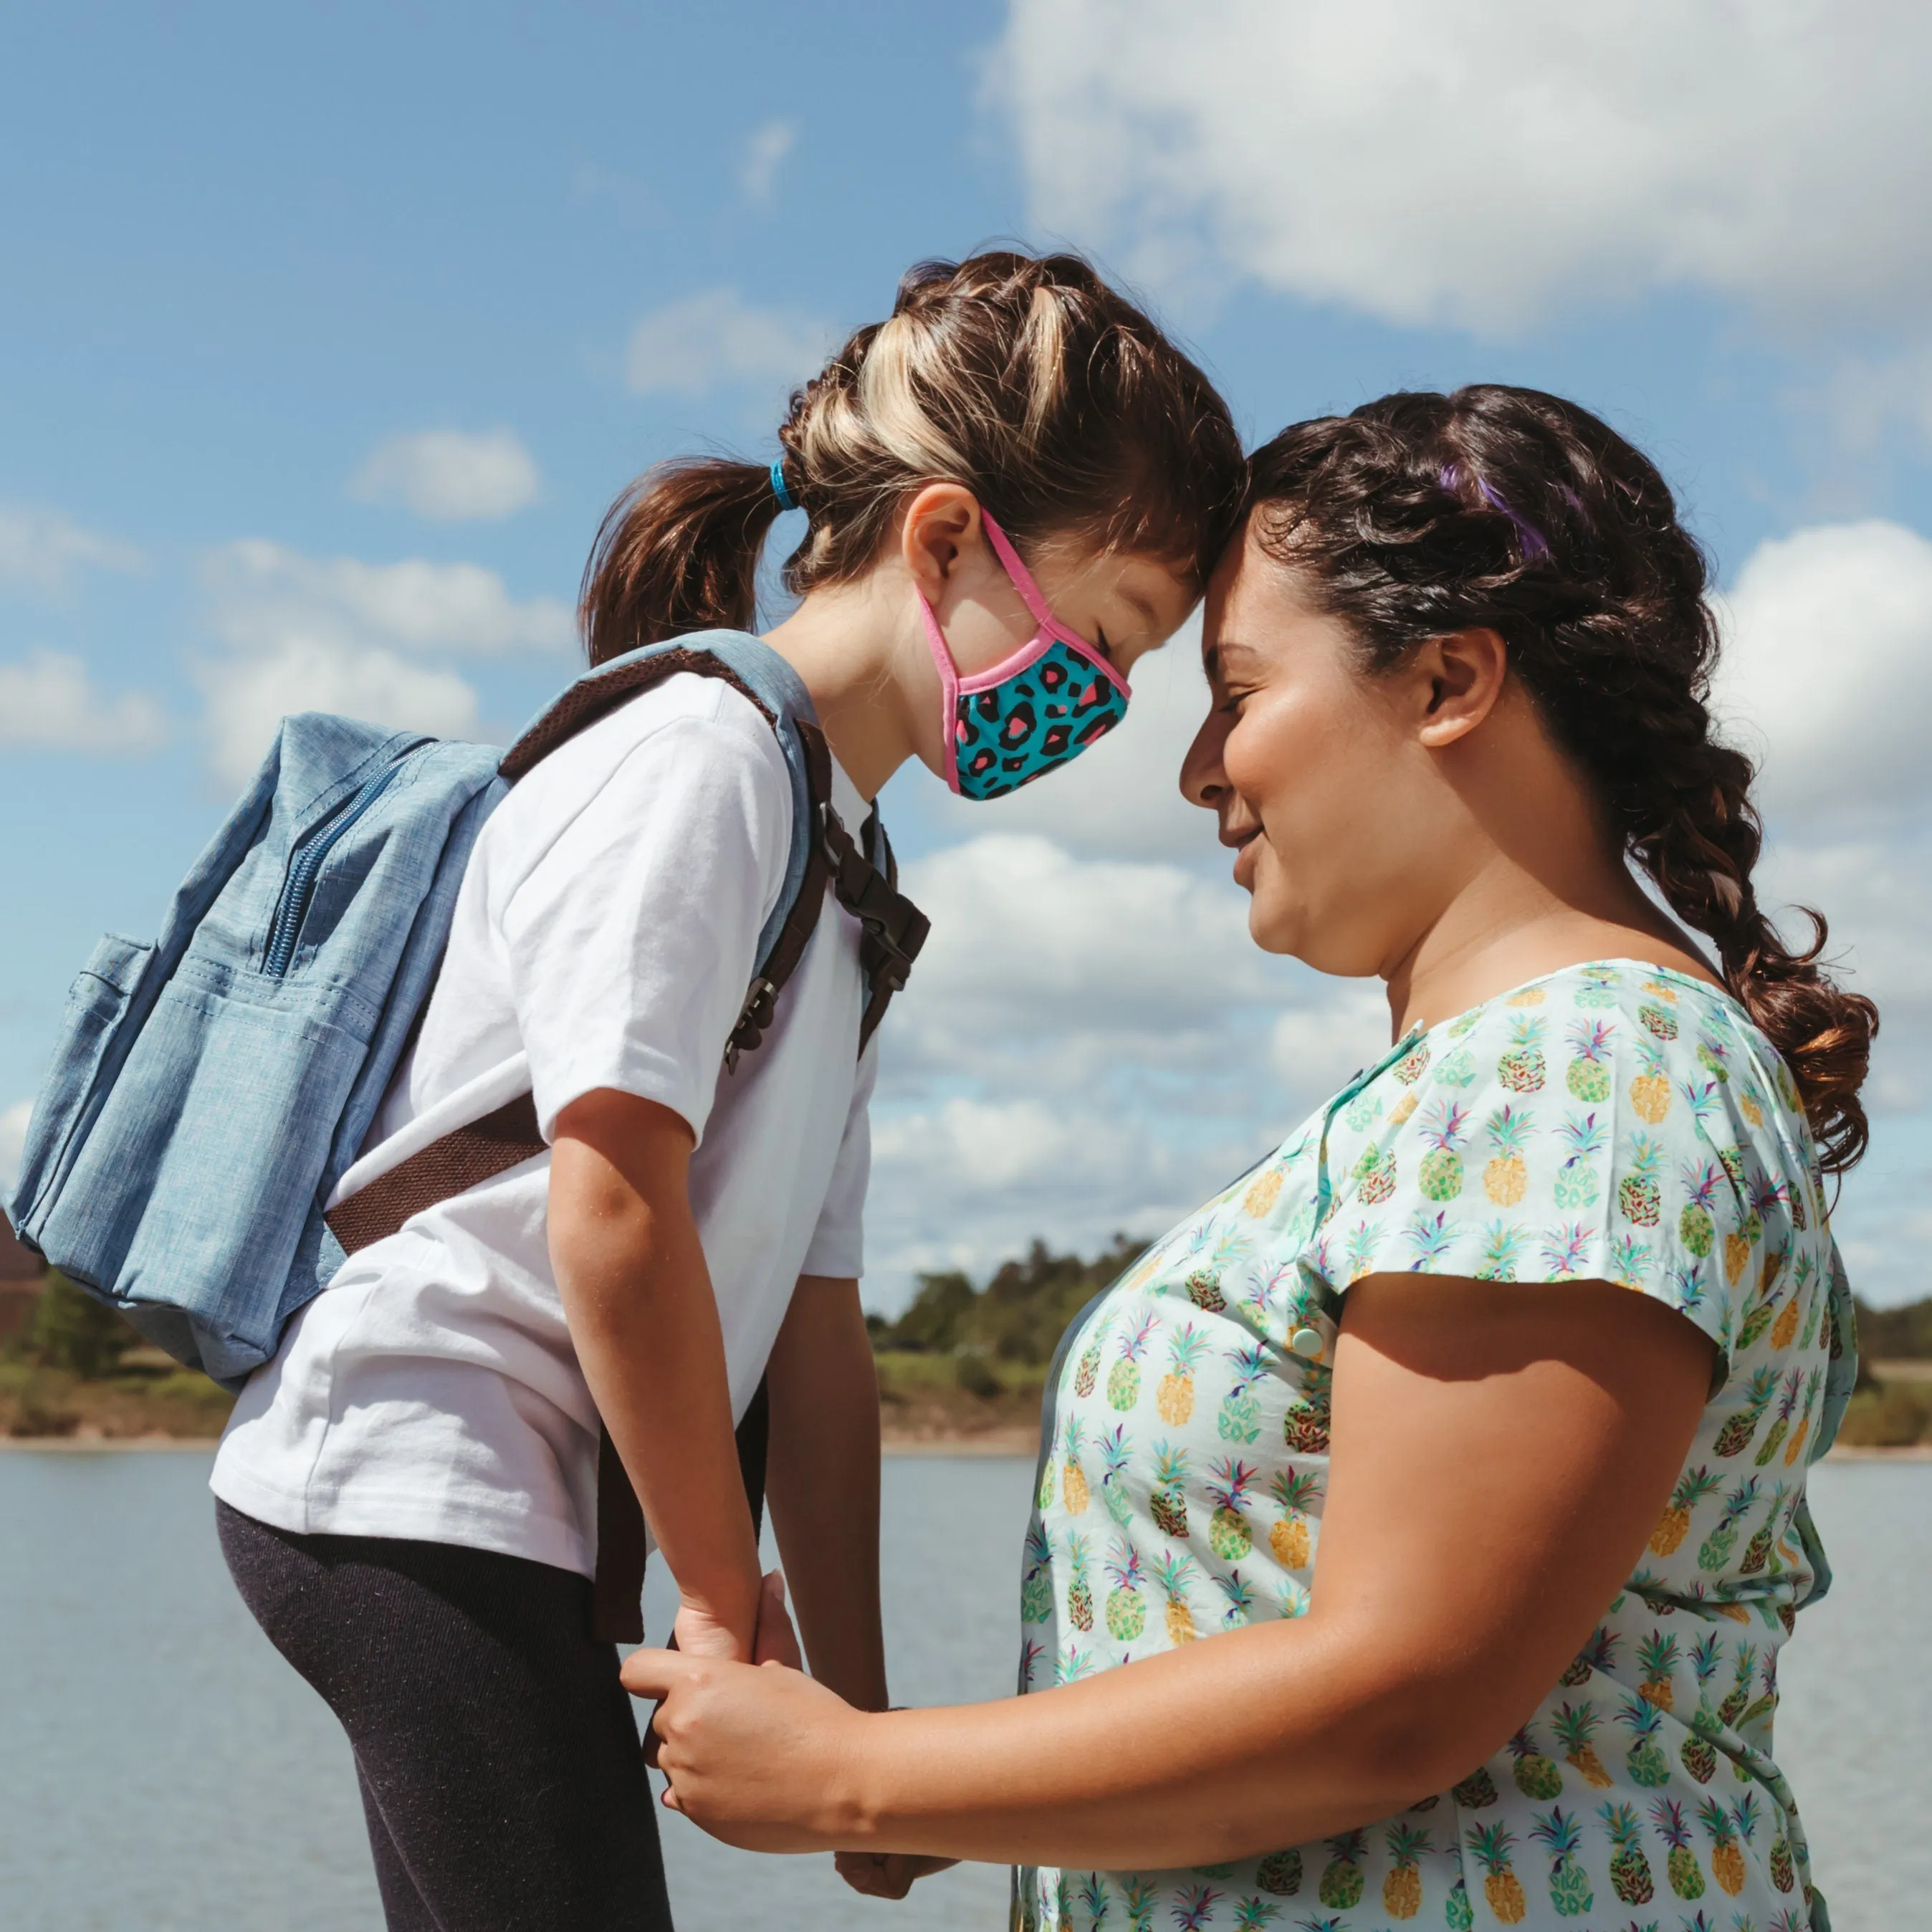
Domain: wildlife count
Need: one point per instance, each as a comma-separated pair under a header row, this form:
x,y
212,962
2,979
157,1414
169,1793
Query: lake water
x,y
161,1770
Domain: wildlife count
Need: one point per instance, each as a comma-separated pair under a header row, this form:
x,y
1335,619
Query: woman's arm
x,y
823,1480
637,1296
1499,1455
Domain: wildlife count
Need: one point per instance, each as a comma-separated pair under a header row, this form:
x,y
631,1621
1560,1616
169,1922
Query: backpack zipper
x,y
305,865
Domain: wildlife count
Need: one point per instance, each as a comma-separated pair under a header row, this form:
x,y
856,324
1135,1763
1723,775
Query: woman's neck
x,y
853,646
1533,906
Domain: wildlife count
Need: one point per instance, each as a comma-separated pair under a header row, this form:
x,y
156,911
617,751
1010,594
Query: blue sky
x,y
255,257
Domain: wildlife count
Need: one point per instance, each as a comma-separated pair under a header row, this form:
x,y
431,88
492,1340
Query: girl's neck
x,y
858,654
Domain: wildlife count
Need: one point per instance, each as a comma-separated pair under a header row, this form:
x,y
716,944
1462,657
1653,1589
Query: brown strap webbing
x,y
463,1158
590,698
895,928
761,1002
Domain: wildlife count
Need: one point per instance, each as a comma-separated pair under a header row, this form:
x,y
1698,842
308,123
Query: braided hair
x,y
1423,514
1060,404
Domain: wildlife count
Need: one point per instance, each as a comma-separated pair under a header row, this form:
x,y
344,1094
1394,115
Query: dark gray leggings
x,y
497,1752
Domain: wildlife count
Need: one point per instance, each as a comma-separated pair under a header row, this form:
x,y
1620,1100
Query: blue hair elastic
x,y
787,501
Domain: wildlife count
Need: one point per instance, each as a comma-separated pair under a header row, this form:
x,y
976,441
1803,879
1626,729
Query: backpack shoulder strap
x,y
467,1156
866,882
799,919
756,672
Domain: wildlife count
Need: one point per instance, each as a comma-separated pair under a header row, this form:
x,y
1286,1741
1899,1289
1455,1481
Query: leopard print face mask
x,y
1039,709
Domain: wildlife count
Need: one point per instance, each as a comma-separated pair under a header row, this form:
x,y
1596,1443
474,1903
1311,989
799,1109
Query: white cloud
x,y
1488,163
764,153
1828,670
265,596
42,549
249,694
966,1183
450,477
1316,1047
717,339
49,702
1035,951
13,1142
335,634
1865,400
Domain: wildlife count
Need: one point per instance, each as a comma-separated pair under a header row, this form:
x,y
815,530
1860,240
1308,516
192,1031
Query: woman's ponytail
x,y
678,552
1048,394
1691,825
1423,514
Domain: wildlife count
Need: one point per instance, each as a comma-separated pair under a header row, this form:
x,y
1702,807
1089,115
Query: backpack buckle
x,y
753,1018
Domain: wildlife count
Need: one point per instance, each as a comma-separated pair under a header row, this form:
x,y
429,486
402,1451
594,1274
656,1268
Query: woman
x,y
410,1497
1472,1425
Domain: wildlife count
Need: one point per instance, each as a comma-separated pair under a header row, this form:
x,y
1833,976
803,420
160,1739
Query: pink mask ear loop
x,y
1051,628
949,681
1022,578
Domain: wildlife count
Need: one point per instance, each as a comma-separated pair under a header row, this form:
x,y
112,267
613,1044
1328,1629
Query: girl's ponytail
x,y
1048,394
1422,515
678,552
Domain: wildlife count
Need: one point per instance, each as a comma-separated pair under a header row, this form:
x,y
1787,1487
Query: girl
x,y
1471,1425
408,1492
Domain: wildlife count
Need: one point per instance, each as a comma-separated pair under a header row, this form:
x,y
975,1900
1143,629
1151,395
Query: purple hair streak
x,y
1533,548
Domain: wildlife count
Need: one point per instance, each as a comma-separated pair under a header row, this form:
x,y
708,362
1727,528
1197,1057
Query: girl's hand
x,y
776,1641
697,1632
757,1756
886,1874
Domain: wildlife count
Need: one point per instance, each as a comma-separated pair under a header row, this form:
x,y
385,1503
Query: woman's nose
x,y
1202,781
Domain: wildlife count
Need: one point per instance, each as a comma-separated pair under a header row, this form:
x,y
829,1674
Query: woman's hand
x,y
757,1755
887,1874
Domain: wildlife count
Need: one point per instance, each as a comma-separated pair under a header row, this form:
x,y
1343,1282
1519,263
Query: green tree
x,y
1018,1316
74,1332
935,1322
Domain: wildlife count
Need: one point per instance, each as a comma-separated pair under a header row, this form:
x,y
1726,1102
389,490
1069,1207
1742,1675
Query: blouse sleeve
x,y
1549,1143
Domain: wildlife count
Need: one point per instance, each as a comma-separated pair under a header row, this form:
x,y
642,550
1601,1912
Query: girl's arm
x,y
822,1481
637,1296
1500,1454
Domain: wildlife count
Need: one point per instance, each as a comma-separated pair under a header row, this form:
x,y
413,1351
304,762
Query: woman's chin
x,y
1271,927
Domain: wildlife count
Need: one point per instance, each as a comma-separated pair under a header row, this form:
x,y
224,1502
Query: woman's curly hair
x,y
1422,515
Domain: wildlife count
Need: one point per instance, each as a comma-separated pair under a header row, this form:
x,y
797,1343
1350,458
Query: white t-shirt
x,y
604,936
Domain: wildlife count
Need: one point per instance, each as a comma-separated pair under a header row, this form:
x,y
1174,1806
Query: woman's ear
x,y
1456,682
940,521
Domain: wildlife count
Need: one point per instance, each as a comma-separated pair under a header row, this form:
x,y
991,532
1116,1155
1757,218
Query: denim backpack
x,y
208,1091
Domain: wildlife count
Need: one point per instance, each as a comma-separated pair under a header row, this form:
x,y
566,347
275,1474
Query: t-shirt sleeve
x,y
838,1247
631,940
1551,1147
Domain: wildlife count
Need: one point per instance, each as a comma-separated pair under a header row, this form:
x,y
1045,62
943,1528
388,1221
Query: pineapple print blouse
x,y
1610,1122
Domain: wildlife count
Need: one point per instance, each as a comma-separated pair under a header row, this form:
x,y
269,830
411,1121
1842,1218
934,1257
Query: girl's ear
x,y
940,522
1456,683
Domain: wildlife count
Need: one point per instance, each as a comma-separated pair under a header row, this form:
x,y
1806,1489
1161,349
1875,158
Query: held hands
x,y
755,1753
758,1754
699,1632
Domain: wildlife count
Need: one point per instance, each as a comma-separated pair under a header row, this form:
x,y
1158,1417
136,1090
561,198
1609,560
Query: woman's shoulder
x,y
1610,1120
1568,1036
